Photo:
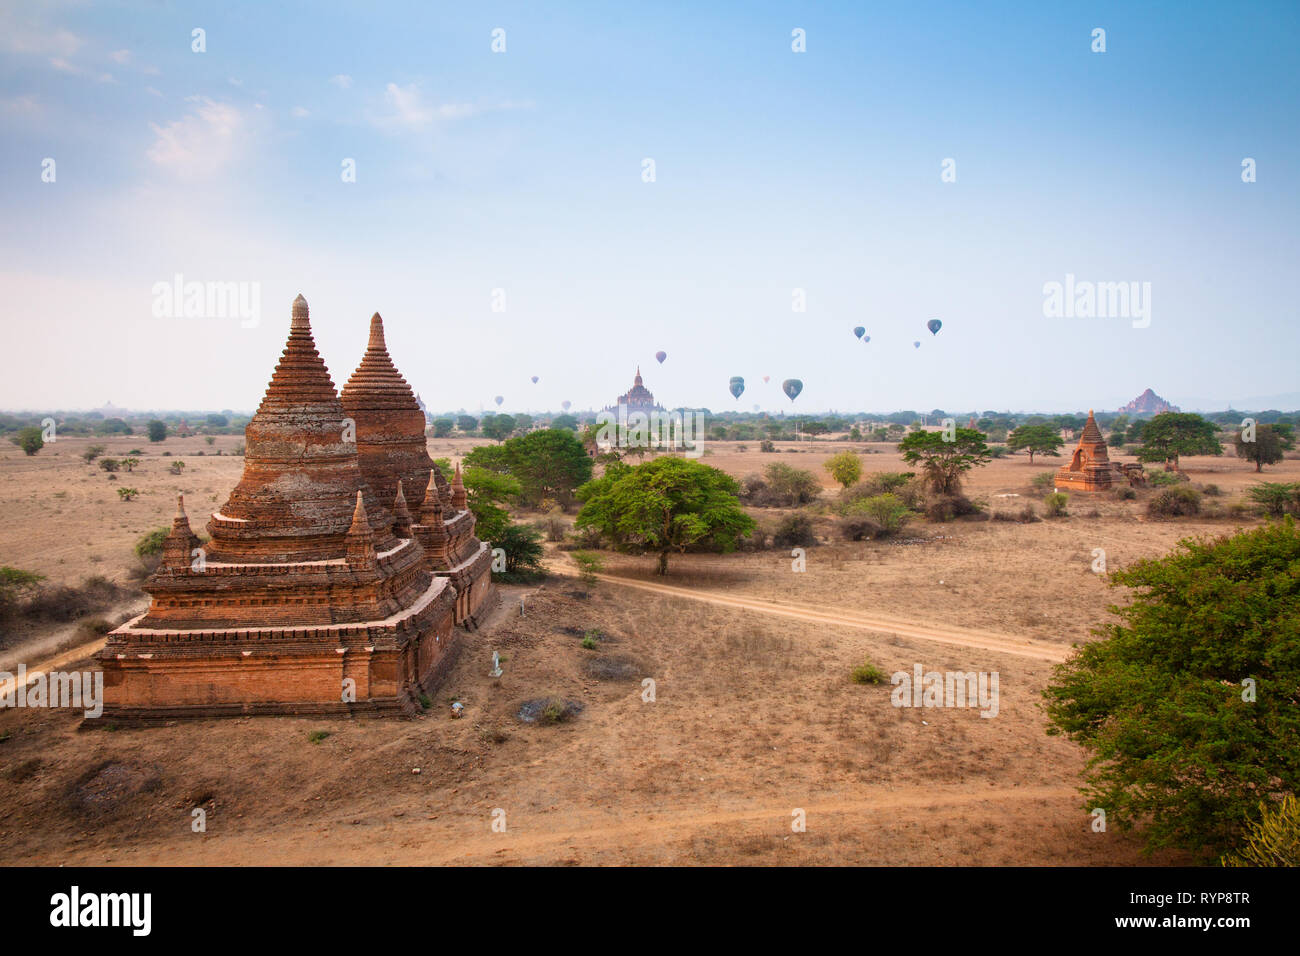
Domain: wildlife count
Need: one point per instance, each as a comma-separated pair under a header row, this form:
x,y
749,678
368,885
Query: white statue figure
x,y
496,664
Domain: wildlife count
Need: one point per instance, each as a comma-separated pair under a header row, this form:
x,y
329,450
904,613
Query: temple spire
x,y
401,514
377,334
361,540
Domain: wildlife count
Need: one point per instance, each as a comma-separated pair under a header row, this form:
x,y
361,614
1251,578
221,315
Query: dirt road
x,y
960,637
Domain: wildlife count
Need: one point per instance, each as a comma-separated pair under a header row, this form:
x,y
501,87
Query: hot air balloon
x,y
916,345
499,399
755,406
661,356
765,378
736,386
858,330
792,387
866,338
934,325
534,379
565,404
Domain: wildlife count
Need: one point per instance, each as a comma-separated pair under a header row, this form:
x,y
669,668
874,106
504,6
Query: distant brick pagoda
x,y
319,592
1090,467
637,399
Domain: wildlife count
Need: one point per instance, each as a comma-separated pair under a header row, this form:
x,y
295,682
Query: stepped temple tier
x,y
336,572
637,399
1090,467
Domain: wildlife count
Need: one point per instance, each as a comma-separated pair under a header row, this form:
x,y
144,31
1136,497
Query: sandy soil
x,y
755,716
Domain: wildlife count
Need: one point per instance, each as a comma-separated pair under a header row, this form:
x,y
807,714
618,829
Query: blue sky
x,y
775,171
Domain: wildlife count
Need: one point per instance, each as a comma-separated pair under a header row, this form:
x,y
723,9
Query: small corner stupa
x,y
1090,467
315,594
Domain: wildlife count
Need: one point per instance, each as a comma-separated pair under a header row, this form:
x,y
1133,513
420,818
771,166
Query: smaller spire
x,y
459,501
180,509
360,539
301,314
377,334
401,514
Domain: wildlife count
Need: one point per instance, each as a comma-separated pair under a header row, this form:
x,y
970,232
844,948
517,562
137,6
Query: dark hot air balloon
x,y
934,325
661,356
534,379
858,330
866,338
916,345
499,399
736,386
792,387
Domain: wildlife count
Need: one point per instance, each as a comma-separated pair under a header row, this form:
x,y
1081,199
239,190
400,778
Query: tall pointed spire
x,y
390,425
179,545
301,468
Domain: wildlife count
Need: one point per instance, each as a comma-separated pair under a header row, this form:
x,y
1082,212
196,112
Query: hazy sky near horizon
x,y
522,171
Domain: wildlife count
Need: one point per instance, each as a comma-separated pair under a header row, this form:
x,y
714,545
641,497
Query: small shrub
x,y
887,511
1044,480
589,642
109,464
794,531
1272,840
940,507
1166,479
126,494
766,446
589,565
1175,502
1211,490
1054,505
316,736
1126,493
1276,498
1028,515
857,528
177,467
868,673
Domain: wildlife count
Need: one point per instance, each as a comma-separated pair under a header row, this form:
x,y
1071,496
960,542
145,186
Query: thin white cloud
x,y
342,81
300,112
409,110
20,105
199,144
122,57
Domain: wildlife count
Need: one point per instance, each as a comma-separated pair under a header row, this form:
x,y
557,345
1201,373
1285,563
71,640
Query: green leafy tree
x,y
157,430
1267,448
1170,435
1036,439
217,421
943,463
487,494
1187,706
442,427
523,548
15,584
29,439
1276,498
845,467
566,422
549,463
466,424
664,505
498,427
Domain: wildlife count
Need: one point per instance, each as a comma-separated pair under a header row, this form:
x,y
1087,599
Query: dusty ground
x,y
755,716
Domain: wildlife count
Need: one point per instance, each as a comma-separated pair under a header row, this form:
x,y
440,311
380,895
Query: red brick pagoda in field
x,y
637,399
1090,467
332,582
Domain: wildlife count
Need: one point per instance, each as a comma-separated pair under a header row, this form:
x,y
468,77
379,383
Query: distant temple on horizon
x,y
637,399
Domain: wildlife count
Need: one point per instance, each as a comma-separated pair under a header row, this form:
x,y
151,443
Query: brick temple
x,y
336,573
1090,467
637,399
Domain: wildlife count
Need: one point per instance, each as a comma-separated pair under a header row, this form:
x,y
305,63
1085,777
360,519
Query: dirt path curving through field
x,y
960,637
